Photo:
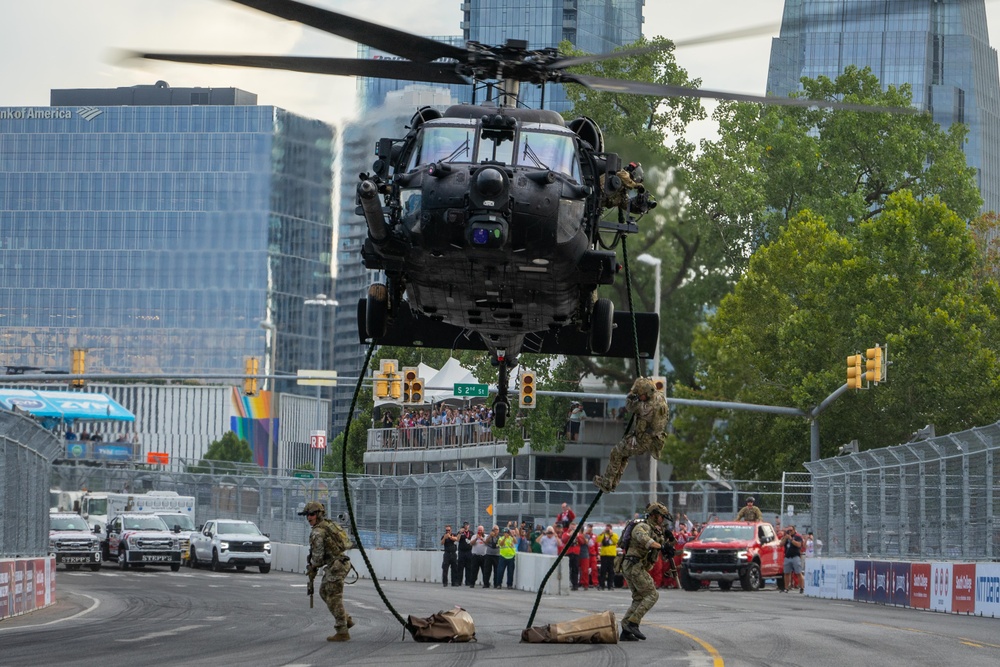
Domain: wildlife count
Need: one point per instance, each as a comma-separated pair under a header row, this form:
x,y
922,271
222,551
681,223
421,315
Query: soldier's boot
x,y
350,622
627,636
633,629
342,636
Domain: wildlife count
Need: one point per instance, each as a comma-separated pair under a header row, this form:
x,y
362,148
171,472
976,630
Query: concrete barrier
x,y
425,566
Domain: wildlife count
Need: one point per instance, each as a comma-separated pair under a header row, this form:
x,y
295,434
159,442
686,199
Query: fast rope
x,y
600,493
350,506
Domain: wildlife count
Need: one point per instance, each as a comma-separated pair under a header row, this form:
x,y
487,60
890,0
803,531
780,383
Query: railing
x,y
430,437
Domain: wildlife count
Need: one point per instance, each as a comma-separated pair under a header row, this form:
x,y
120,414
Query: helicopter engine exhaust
x,y
374,216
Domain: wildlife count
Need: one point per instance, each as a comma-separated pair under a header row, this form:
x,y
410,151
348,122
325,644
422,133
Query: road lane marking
x,y
717,660
961,640
162,633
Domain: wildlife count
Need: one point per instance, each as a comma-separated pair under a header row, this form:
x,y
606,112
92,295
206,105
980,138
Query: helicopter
x,y
488,220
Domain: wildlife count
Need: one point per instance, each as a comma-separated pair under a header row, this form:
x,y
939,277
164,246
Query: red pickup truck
x,y
729,550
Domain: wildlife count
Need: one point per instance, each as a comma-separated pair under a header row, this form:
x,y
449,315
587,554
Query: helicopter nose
x,y
489,182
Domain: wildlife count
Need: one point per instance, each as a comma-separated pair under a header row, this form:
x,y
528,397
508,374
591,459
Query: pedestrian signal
x,y
527,397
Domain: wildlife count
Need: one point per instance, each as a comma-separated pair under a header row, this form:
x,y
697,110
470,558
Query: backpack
x,y
623,543
453,625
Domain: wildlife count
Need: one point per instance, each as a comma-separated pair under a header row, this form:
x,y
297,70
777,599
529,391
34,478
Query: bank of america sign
x,y
48,113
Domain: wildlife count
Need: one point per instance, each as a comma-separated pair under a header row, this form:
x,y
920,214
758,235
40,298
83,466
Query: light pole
x,y
655,262
323,302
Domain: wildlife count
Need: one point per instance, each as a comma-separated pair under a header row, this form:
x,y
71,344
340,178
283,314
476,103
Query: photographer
x,y
449,566
793,544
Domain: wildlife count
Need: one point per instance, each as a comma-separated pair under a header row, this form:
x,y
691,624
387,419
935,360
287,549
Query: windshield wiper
x,y
530,153
463,149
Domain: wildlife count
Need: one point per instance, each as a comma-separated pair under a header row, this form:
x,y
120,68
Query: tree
x,y
771,162
228,449
906,278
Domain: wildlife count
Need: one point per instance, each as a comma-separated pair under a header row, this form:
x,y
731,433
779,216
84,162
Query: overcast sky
x,y
47,44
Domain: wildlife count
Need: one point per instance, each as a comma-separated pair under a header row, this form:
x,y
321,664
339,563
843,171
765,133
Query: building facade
x,y
940,47
157,227
594,26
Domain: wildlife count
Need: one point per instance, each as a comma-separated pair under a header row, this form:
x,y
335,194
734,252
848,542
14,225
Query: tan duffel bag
x,y
595,629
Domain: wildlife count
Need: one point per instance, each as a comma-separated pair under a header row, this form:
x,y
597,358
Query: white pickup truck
x,y
135,540
231,543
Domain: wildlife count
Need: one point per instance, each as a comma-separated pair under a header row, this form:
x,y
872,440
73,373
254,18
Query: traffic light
x,y
874,368
381,384
854,374
386,383
527,397
250,367
413,387
79,366
660,383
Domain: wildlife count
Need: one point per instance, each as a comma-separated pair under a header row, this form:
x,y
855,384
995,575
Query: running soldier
x,y
749,512
645,543
327,546
650,409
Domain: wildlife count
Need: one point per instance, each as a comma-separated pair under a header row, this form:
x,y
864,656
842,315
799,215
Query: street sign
x,y
317,440
300,474
317,378
471,389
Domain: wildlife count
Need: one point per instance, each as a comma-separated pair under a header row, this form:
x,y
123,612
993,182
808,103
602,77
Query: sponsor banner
x,y
821,579
50,578
920,585
845,580
988,589
41,582
899,584
941,586
963,597
20,567
880,587
864,582
6,588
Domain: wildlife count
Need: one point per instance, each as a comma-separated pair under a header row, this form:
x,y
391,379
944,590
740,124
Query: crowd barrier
x,y
425,566
960,588
26,584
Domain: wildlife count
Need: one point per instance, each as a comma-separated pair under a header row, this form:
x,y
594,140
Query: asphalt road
x,y
245,618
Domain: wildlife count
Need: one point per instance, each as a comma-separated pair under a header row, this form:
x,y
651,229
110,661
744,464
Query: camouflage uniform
x,y
635,567
647,436
749,513
328,543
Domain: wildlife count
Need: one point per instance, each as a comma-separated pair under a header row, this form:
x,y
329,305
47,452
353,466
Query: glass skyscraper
x,y
594,26
940,47
157,227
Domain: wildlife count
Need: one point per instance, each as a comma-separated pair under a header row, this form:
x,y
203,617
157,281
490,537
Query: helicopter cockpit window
x,y
545,150
443,144
496,147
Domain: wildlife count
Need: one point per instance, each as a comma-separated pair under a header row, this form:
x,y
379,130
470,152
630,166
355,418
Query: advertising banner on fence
x,y
880,582
845,579
899,584
988,589
920,585
26,585
821,577
864,580
963,597
6,588
941,586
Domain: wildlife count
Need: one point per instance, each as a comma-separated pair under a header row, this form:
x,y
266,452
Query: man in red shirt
x,y
573,556
566,516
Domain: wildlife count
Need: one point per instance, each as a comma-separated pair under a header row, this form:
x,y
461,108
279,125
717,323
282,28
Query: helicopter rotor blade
x,y
378,69
665,90
572,61
389,40
753,31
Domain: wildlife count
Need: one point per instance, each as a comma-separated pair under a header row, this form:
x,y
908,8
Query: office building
x,y
157,227
940,47
594,26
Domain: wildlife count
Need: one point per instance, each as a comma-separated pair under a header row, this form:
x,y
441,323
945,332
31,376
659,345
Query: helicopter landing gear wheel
x,y
602,323
500,414
376,310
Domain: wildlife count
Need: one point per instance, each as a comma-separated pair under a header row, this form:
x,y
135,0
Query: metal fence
x,y
931,499
26,450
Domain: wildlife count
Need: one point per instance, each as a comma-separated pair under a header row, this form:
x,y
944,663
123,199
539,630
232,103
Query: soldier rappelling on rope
x,y
646,437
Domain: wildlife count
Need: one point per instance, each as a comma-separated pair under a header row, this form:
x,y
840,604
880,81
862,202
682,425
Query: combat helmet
x,y
313,506
659,508
645,386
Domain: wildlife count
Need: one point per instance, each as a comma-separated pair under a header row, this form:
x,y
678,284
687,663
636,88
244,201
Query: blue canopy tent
x,y
65,406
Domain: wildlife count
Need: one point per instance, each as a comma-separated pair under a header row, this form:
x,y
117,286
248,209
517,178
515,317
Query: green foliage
x,y
771,162
228,449
906,278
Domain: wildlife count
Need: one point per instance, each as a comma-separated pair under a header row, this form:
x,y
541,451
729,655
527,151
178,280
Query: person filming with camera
x,y
793,544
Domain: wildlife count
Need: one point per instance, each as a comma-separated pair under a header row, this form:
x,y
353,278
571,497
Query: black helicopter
x,y
488,219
